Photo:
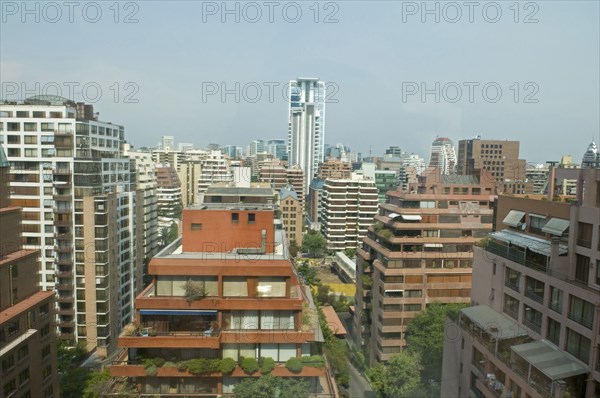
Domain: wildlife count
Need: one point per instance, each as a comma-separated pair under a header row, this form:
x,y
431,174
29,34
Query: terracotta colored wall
x,y
219,234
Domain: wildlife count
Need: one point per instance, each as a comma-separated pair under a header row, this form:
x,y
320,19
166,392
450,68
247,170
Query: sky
x,y
397,72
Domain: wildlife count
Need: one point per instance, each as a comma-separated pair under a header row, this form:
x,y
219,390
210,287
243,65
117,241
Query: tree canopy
x,y
314,243
425,336
399,377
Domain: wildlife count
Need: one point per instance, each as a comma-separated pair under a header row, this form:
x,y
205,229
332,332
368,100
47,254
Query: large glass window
x,y
235,286
556,299
578,345
581,312
271,286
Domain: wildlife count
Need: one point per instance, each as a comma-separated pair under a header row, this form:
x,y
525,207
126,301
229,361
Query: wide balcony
x,y
130,367
504,347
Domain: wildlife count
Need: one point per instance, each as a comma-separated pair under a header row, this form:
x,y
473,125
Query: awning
x,y
536,215
393,290
433,245
514,218
496,324
556,226
532,243
178,312
393,215
411,217
549,360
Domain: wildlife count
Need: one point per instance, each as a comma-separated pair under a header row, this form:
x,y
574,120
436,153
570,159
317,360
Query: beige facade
x,y
534,327
291,215
334,169
419,251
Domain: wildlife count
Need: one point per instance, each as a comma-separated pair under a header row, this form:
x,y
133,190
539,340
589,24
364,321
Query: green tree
x,y
293,248
169,234
425,337
73,376
96,385
309,274
271,387
351,253
314,243
399,377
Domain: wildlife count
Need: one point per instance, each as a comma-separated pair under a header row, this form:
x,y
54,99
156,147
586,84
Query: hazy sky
x,y
158,74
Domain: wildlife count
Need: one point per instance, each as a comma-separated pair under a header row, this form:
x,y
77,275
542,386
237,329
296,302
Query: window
x,y
24,376
196,227
533,319
10,387
251,218
30,139
22,352
273,286
235,218
47,372
578,345
512,279
581,312
556,298
235,286
8,363
553,331
584,234
582,269
511,306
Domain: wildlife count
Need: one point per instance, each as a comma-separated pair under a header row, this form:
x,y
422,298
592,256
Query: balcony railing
x,y
516,256
532,325
512,285
587,322
584,243
534,296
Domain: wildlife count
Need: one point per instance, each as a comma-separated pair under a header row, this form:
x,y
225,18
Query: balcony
x,y
62,198
587,322
518,256
62,223
64,261
65,299
64,236
535,296
63,249
63,210
584,243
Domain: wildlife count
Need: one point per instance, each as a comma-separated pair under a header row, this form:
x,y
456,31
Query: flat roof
x,y
333,321
174,250
549,360
537,245
498,325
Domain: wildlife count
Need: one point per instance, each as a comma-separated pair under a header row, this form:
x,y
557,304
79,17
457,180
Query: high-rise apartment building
x,y
418,251
168,194
291,214
306,134
28,366
80,205
500,158
144,171
277,148
443,155
348,207
295,176
213,169
167,143
225,290
591,157
335,169
534,327
189,177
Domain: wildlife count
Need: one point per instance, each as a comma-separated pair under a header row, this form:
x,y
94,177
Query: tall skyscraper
x,y
443,155
306,134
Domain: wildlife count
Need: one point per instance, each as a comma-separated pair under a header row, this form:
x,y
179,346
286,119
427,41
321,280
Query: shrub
x,y
250,365
294,365
169,363
151,370
227,365
316,361
147,362
268,364
194,290
158,362
198,365
182,366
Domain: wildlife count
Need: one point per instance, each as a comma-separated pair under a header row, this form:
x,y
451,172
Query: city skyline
x,y
562,69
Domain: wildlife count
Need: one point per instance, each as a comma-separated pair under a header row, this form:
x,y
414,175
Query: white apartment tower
x,y
348,208
443,155
306,129
82,208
